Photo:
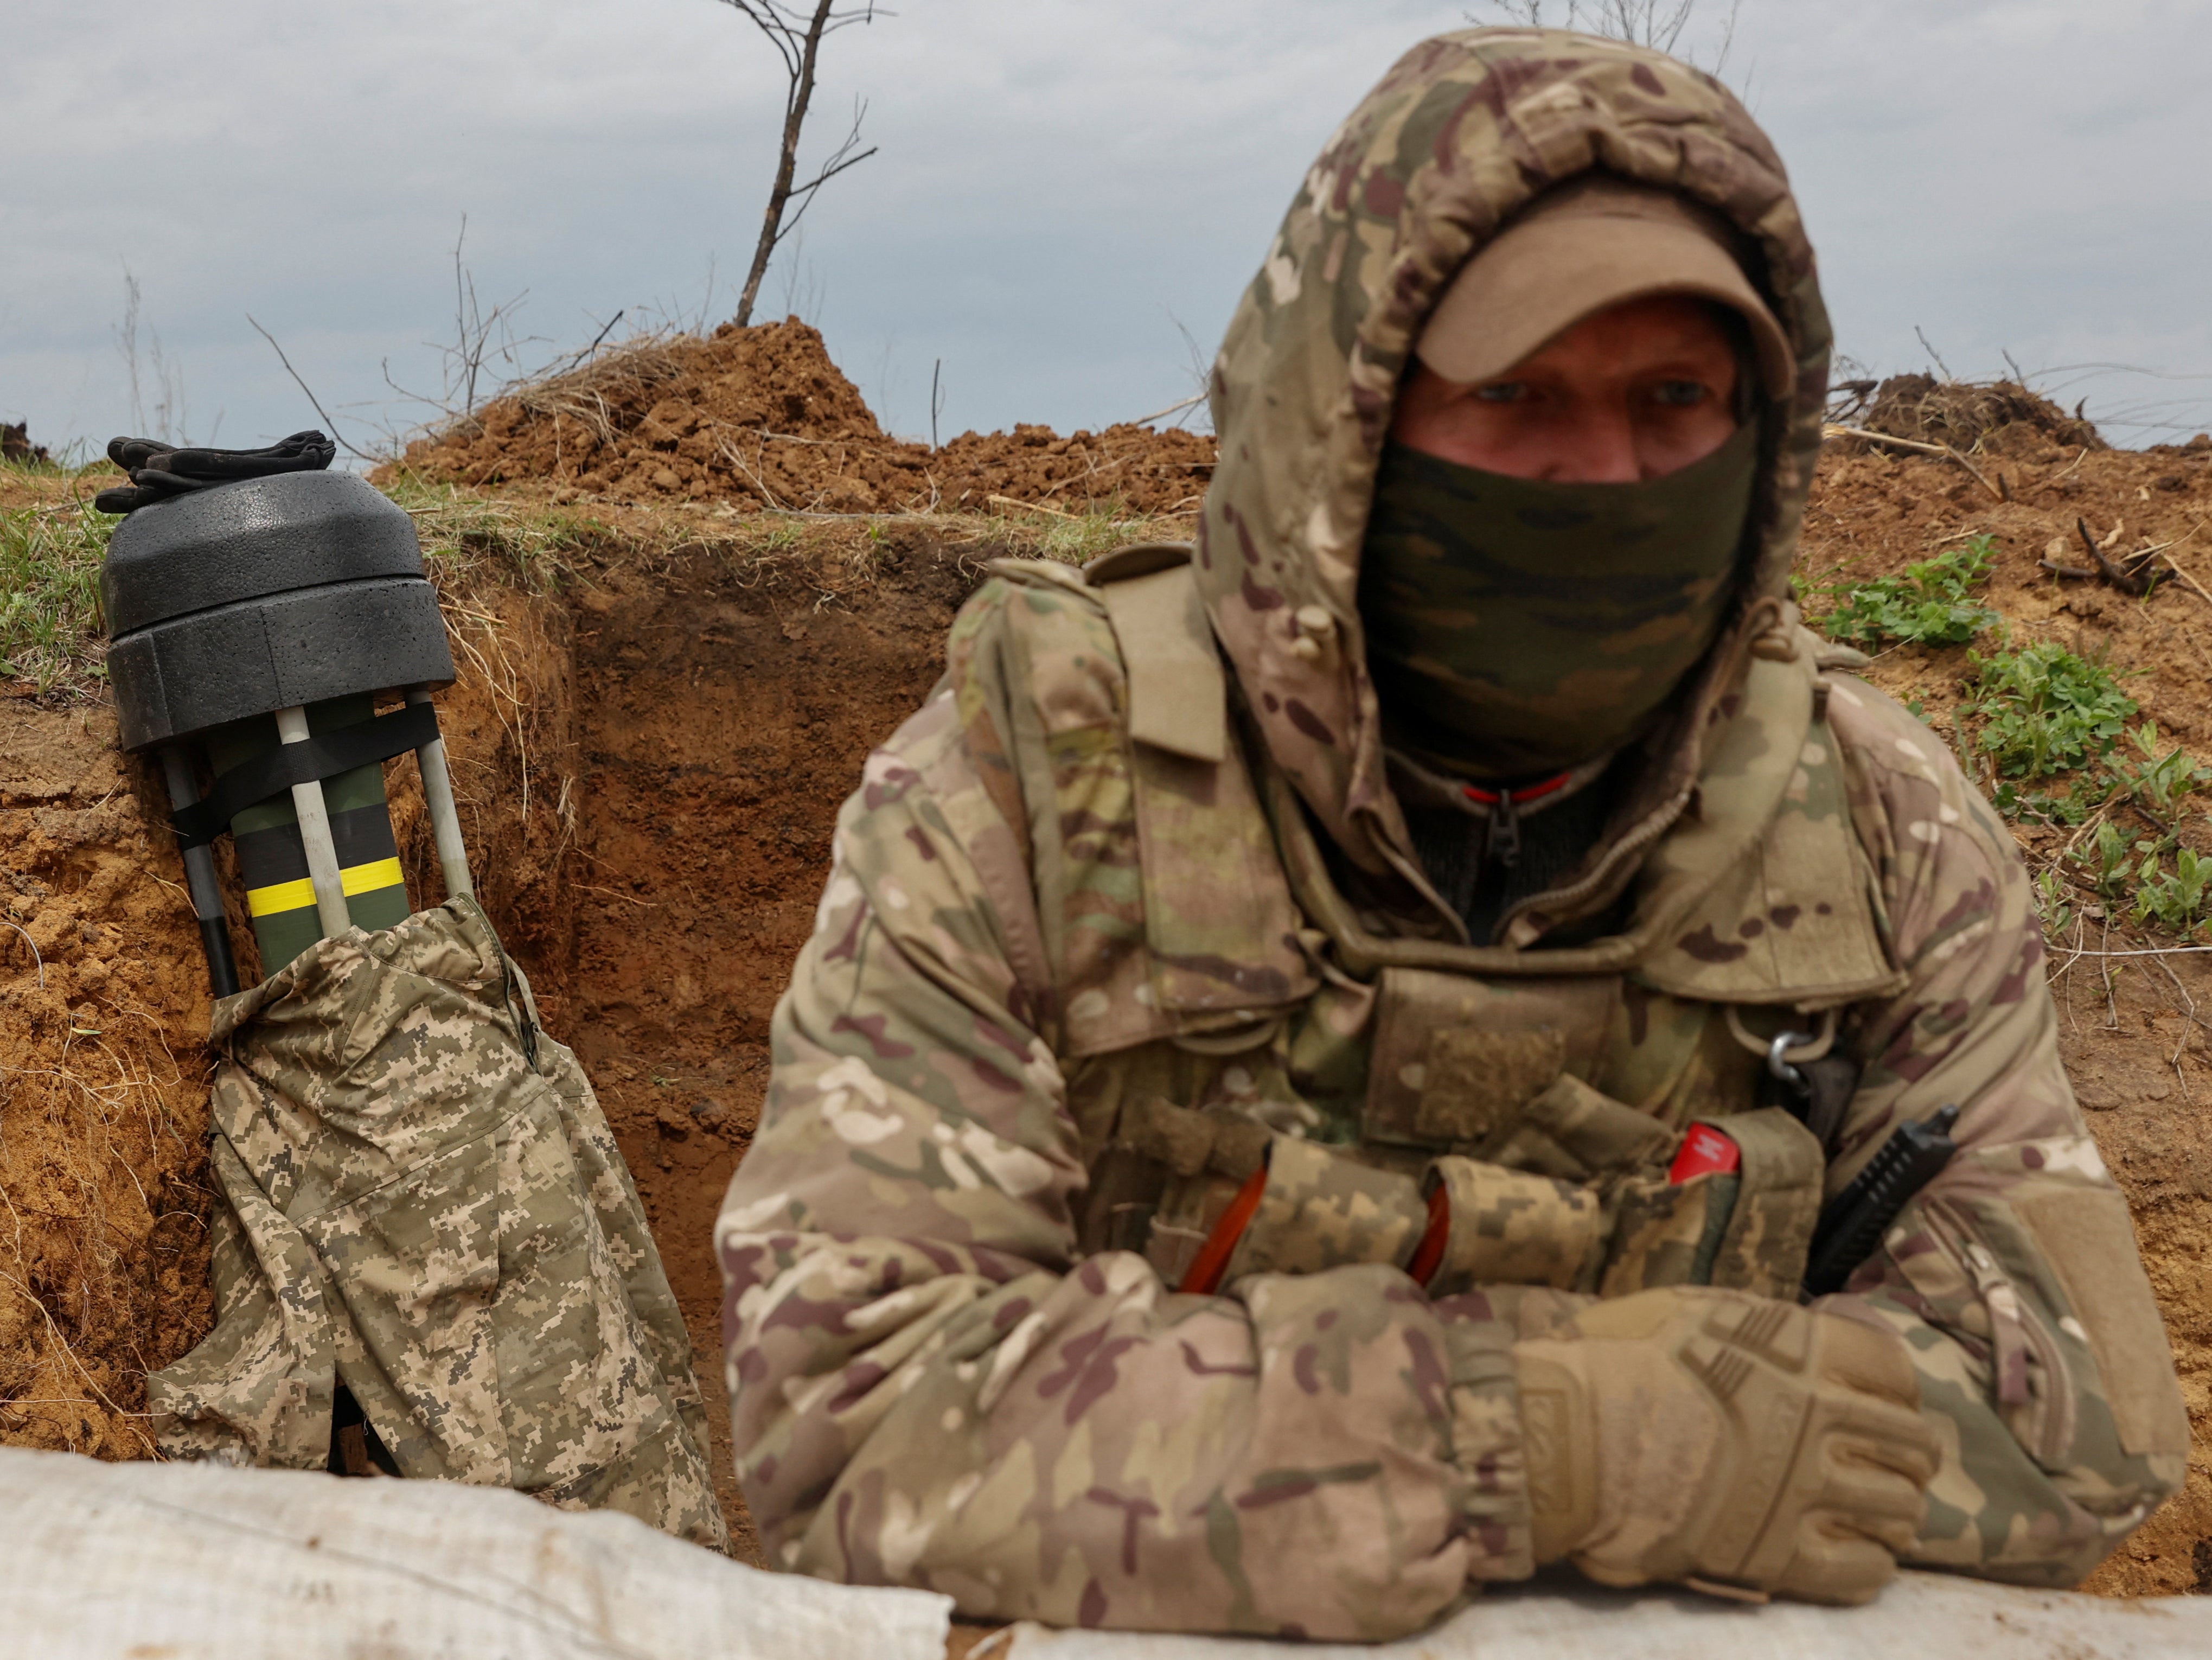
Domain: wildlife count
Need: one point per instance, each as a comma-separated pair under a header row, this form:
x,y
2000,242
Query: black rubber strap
x,y
325,756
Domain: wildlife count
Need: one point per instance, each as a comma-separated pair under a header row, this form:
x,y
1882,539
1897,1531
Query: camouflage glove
x,y
1732,1444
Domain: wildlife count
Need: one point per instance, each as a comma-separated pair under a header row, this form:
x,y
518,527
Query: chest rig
x,y
1271,1008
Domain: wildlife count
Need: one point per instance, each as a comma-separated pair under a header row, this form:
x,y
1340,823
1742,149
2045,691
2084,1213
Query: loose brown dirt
x,y
650,756
760,417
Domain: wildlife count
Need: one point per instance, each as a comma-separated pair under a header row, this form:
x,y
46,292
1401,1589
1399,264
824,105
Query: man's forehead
x,y
1594,244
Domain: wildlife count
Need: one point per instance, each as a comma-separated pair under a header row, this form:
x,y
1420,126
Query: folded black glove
x,y
160,471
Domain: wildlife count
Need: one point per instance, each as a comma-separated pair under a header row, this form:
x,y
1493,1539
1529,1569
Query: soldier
x,y
1320,1054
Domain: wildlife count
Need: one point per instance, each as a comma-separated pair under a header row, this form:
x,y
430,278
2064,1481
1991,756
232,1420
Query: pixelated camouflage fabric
x,y
420,1197
955,1354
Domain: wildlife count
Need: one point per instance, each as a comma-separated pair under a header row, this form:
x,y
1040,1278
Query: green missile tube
x,y
273,859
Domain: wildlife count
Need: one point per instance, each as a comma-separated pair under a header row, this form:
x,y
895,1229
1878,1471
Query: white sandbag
x,y
198,1562
1923,1616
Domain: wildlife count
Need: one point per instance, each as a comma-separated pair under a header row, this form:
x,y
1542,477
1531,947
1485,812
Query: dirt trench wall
x,y
720,717
648,765
103,1102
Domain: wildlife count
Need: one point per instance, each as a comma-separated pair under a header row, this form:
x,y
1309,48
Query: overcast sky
x,y
1062,189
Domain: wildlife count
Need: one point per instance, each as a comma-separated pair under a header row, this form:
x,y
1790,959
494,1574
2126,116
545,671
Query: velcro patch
x,y
2090,1243
1474,1084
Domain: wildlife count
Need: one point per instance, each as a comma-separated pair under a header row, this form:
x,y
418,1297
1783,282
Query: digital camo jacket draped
x,y
1081,957
422,1201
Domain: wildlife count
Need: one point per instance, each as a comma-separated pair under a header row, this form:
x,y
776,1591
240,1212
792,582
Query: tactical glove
x,y
1734,1444
159,469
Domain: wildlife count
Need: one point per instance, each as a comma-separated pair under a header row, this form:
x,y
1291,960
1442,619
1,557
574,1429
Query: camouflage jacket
x,y
1110,915
422,1201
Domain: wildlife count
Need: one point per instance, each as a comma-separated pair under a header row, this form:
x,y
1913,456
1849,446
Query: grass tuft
x,y
1076,538
462,530
49,624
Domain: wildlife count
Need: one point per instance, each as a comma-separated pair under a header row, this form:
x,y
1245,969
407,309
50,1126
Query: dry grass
x,y
580,393
1996,417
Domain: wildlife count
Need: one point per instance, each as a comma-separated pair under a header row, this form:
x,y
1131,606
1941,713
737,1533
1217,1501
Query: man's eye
x,y
1681,393
1502,392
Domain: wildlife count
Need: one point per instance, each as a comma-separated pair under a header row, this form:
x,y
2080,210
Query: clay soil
x,y
651,753
761,417
103,1103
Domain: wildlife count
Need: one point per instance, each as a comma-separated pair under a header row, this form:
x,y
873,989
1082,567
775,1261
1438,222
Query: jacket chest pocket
x,y
1456,1060
1583,1082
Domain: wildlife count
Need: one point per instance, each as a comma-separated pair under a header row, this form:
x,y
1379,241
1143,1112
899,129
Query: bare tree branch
x,y
1655,23
329,423
796,34
840,159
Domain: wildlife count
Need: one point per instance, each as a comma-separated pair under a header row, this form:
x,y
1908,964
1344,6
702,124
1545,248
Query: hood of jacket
x,y
1464,130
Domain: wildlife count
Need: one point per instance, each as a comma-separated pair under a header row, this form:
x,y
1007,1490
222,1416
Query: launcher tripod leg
x,y
315,834
200,878
445,818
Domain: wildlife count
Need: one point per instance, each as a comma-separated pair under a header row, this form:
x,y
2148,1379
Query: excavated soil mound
x,y
760,417
15,443
1995,417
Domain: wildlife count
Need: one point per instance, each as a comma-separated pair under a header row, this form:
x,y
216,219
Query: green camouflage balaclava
x,y
1518,626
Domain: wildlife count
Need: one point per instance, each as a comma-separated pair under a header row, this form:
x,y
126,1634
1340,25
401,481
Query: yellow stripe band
x,y
371,878
367,878
280,897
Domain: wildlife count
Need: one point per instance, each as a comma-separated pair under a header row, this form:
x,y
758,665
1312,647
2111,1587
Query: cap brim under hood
x,y
1464,130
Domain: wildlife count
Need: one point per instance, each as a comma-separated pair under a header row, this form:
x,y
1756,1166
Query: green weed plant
x,y
2054,899
2125,869
2178,897
2053,726
2045,711
2157,782
1926,604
